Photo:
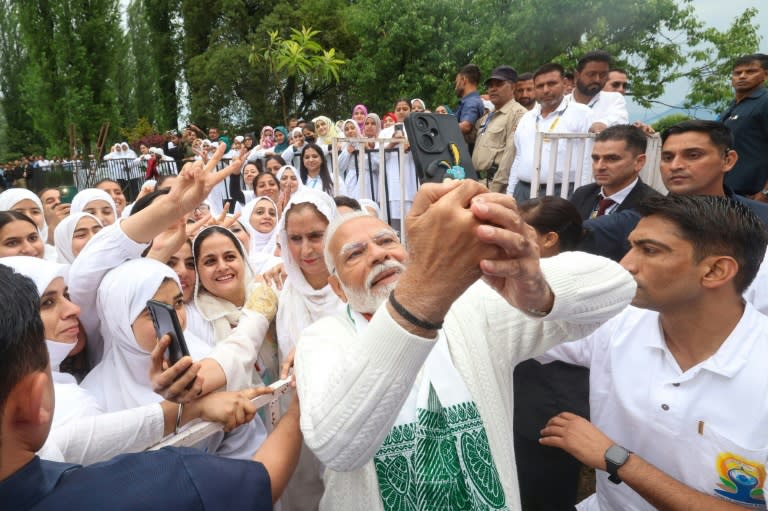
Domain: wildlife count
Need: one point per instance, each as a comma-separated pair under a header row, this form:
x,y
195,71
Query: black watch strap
x,y
615,457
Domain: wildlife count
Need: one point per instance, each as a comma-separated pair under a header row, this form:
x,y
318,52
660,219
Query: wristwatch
x,y
615,457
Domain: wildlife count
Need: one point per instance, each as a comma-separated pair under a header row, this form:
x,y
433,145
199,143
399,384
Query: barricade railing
x,y
574,160
560,160
197,431
364,166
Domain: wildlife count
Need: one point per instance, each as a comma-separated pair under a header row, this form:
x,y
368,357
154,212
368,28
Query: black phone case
x,y
167,322
430,136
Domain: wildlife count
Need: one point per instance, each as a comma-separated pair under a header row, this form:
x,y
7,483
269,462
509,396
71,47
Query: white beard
x,y
367,300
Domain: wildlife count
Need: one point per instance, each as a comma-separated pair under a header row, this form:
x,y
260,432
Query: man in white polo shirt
x,y
678,383
552,114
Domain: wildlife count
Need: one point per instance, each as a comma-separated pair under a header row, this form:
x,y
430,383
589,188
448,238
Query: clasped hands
x,y
458,232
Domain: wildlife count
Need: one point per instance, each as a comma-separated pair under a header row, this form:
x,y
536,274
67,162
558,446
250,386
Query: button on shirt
x,y
707,427
569,117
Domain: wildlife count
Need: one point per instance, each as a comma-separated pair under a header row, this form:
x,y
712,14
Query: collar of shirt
x,y
560,110
730,357
32,482
592,102
619,196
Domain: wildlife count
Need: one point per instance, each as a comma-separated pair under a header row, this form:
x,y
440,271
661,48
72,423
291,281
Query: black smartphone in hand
x,y
167,323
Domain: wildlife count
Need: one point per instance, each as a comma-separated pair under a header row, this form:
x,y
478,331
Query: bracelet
x,y
178,418
410,318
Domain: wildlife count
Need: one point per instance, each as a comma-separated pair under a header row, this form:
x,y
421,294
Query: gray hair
x,y
330,232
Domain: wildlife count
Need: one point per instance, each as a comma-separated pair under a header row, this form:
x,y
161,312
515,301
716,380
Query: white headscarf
x,y
260,242
84,197
72,401
62,236
121,379
9,198
301,304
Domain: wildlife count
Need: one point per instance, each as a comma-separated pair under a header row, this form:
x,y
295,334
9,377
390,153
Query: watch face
x,y
617,454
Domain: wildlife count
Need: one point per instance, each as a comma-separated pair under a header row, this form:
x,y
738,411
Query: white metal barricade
x,y
197,431
560,160
365,172
569,156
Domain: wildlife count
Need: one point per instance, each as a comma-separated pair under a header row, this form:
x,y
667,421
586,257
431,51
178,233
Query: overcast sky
x,y
718,14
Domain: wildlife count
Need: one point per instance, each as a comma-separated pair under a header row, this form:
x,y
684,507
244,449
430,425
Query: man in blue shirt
x,y
160,480
747,117
470,107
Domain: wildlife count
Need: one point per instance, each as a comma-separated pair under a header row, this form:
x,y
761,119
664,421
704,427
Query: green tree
x,y
18,135
161,56
71,66
300,70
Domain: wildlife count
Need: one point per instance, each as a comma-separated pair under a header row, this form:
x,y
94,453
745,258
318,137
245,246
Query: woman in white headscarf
x,y
23,201
81,433
62,334
121,379
259,218
326,131
349,163
306,295
73,233
225,293
305,298
292,153
96,202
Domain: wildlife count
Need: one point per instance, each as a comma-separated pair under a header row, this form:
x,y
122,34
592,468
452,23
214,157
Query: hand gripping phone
x,y
167,322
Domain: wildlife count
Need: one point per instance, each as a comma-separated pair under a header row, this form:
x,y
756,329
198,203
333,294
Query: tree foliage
x,y
300,69
240,64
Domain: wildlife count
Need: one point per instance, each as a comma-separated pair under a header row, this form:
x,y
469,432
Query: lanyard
x,y
487,120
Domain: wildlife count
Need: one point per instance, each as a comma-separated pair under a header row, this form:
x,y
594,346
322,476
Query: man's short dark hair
x,y
525,77
719,134
636,140
549,68
762,58
471,72
618,70
22,335
715,226
343,200
593,56
745,60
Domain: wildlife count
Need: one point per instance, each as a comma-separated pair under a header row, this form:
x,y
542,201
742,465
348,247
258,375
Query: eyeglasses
x,y
202,208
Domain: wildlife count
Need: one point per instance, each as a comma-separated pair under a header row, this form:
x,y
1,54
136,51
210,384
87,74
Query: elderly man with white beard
x,y
406,396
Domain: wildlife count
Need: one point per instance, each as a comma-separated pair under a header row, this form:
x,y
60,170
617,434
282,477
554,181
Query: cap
x,y
239,138
504,73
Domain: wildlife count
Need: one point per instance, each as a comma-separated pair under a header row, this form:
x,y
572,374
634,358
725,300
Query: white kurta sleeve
x,y
97,438
589,290
351,387
105,251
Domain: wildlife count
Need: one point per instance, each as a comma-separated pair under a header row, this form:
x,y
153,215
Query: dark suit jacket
x,y
607,235
586,197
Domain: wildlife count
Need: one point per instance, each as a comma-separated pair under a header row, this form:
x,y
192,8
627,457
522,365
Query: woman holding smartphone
x,y
82,432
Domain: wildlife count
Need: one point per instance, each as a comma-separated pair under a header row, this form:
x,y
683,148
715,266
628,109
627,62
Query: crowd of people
x,y
432,375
